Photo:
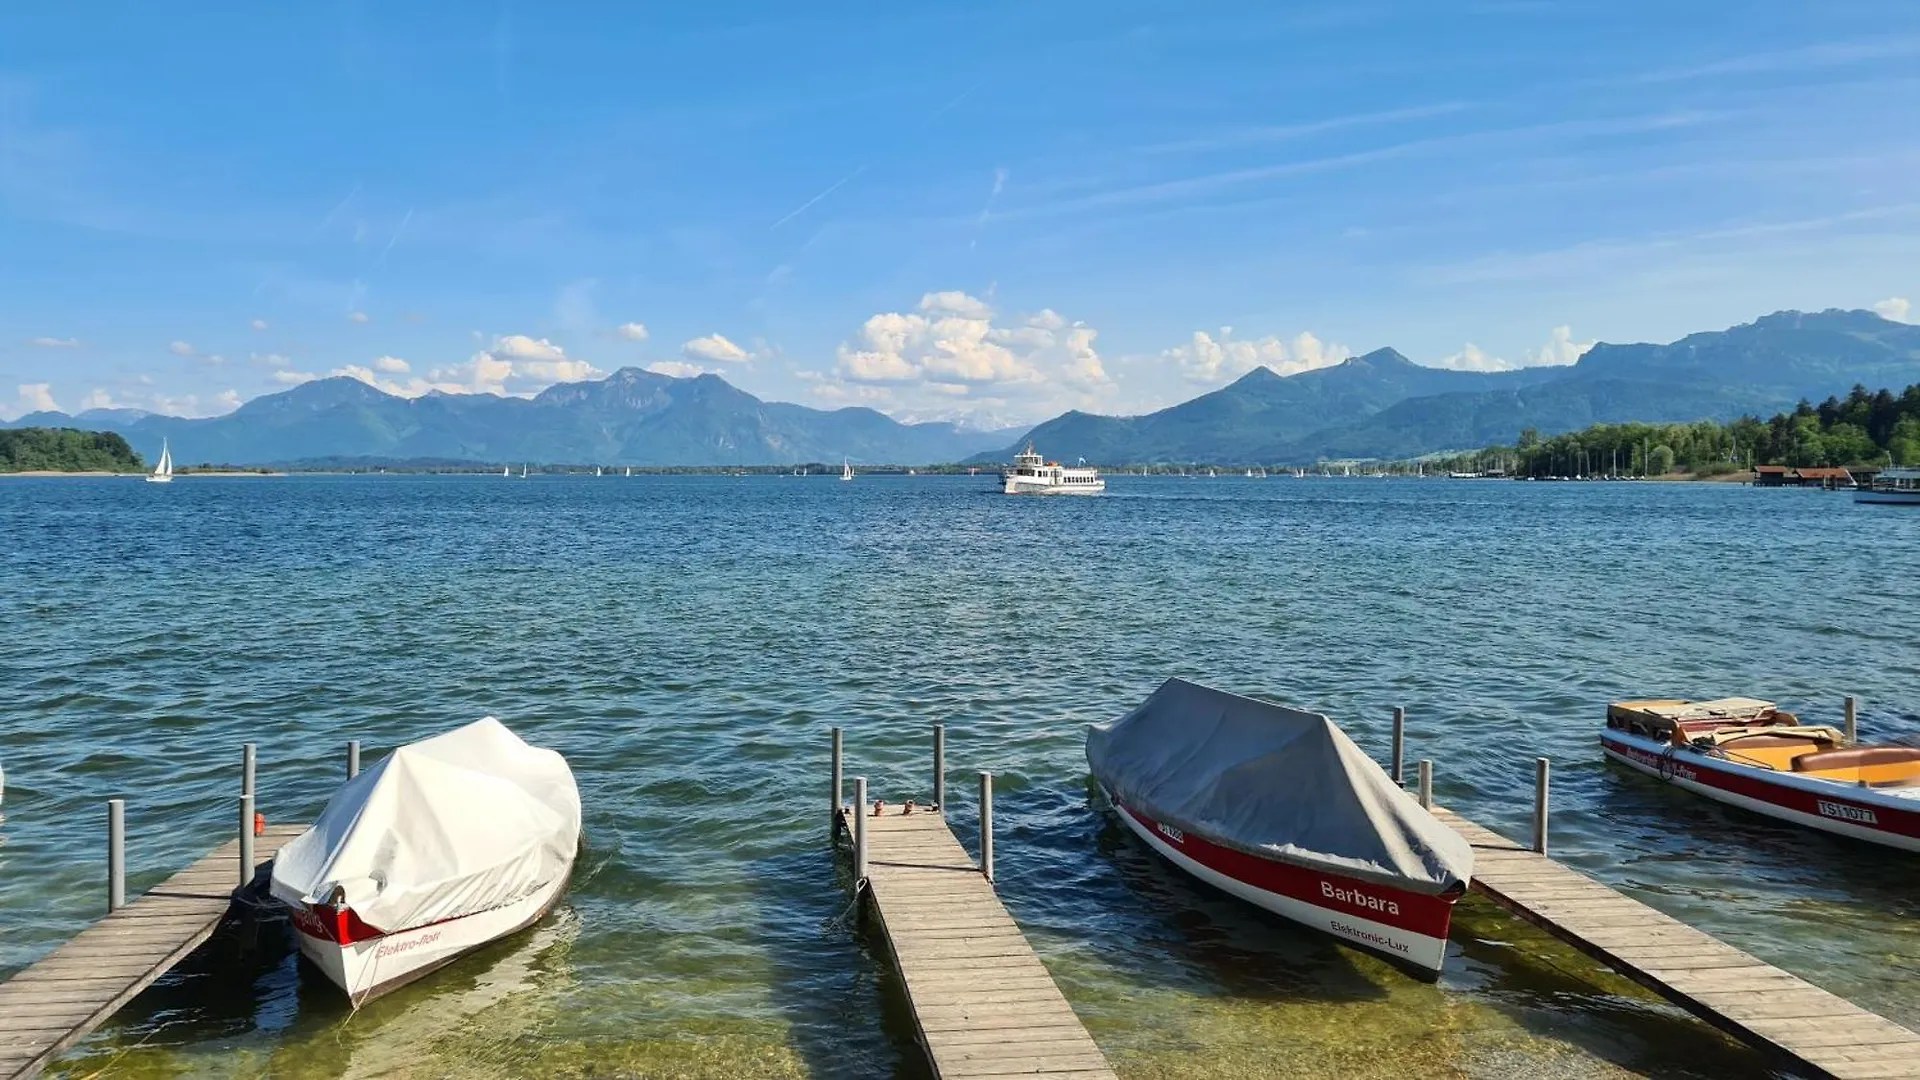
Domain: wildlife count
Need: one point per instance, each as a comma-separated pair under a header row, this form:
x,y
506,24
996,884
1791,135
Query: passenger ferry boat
x,y
1753,755
1898,484
1033,475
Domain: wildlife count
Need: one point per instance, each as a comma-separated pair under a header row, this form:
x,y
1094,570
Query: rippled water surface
x,y
687,643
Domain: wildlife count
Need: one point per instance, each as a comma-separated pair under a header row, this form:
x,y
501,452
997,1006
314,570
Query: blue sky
x,y
988,212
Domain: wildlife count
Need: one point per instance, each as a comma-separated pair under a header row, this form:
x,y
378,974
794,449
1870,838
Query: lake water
x,y
688,641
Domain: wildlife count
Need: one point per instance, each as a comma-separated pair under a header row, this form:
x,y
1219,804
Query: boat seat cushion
x,y
1858,758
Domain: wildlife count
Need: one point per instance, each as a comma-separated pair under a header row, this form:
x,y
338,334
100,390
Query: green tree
x,y
1662,458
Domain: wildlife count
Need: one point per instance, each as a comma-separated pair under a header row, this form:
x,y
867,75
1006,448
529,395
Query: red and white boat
x,y
1279,808
1748,753
443,846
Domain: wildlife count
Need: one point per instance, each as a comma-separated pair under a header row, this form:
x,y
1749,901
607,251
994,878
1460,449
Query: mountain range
x,y
1377,405
632,417
1384,405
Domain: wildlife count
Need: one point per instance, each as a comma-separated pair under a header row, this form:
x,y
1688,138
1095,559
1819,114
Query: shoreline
x,y
97,474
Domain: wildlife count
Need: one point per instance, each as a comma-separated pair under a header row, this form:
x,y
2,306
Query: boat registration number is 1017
x,y
1844,812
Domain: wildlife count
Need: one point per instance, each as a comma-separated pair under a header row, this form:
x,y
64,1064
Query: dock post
x,y
353,758
1399,746
1426,784
839,786
1853,724
116,854
248,756
859,832
246,840
940,767
1541,768
986,825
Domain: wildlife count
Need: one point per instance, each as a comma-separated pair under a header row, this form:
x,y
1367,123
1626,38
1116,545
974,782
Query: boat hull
x,y
159,479
1874,815
1018,486
370,967
1894,498
1406,927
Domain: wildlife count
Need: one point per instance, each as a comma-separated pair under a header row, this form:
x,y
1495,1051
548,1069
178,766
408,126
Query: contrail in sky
x,y
396,234
802,208
341,205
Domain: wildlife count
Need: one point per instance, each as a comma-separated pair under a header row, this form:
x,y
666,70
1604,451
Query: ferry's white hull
x,y
1016,485
374,966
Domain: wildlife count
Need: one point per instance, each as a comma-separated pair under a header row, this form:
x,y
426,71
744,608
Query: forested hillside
x,y
66,450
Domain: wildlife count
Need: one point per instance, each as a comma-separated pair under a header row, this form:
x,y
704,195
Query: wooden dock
x,y
983,1004
50,1006
1753,1001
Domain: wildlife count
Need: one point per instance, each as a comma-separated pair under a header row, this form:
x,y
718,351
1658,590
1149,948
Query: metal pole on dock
x,y
116,854
1541,768
986,825
1426,784
859,831
839,787
1853,724
1399,745
246,840
353,758
247,758
940,766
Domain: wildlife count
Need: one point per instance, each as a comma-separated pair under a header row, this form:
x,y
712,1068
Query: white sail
x,y
506,470
846,469
163,471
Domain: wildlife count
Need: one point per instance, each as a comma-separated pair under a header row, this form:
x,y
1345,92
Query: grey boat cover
x,y
1274,782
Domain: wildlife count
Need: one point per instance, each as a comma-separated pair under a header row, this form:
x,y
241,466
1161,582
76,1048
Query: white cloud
x,y
293,378
269,359
194,406
513,364
632,331
181,348
34,397
258,324
522,347
97,399
214,359
1209,360
1472,357
955,302
678,369
954,358
715,349
228,399
358,317
1894,307
54,343
392,365
1560,349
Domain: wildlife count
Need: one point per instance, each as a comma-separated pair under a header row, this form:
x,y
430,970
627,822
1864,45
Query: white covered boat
x,y
443,846
1279,808
1898,484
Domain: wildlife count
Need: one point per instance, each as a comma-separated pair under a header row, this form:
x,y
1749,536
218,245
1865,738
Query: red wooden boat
x,y
1279,808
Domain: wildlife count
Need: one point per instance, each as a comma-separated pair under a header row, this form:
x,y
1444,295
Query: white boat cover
x,y
453,825
1273,782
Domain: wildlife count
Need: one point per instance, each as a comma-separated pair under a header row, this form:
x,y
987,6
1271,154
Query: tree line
x,y
66,450
1863,428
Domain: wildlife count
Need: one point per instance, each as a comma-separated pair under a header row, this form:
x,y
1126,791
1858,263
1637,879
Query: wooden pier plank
x,y
54,1003
983,1004
1737,993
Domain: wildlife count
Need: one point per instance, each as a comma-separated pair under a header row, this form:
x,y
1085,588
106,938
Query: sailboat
x,y
163,472
596,470
629,470
506,471
846,469
523,472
